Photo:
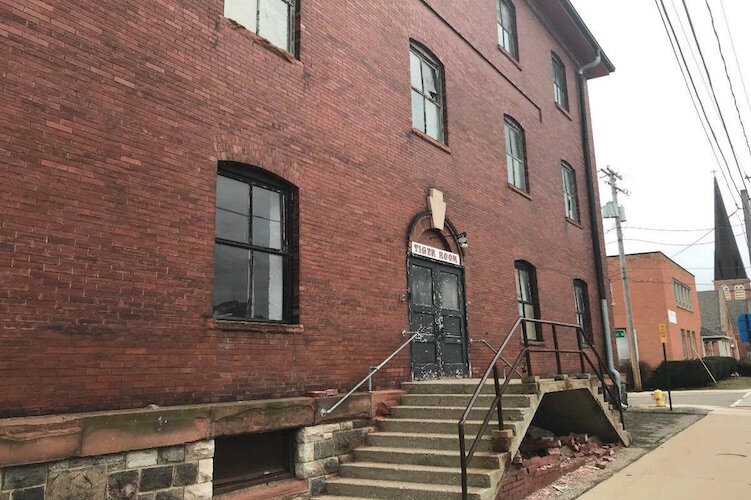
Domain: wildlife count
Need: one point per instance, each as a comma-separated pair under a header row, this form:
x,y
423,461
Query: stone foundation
x,y
321,448
170,473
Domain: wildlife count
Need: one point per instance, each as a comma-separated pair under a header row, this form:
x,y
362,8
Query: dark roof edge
x,y
653,252
587,34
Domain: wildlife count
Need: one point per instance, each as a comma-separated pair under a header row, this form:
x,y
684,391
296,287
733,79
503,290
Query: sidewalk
x,y
710,459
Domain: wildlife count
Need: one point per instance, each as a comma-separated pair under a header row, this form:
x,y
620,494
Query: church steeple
x,y
728,264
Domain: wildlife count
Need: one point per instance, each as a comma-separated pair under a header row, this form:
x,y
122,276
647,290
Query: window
x,y
684,343
271,19
560,91
526,297
252,250
516,161
248,459
570,200
426,75
726,292
740,292
581,302
682,295
506,17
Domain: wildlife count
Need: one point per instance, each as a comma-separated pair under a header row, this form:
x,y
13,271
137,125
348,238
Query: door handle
x,y
439,323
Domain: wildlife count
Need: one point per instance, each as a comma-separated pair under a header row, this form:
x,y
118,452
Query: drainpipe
x,y
593,209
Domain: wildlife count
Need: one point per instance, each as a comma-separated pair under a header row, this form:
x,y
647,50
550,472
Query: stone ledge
x,y
28,440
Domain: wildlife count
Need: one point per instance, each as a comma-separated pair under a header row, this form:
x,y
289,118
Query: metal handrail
x,y
372,371
501,389
505,361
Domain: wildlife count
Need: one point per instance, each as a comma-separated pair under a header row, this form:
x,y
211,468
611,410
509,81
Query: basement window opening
x,y
252,459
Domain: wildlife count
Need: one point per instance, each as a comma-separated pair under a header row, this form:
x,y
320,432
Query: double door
x,y
436,308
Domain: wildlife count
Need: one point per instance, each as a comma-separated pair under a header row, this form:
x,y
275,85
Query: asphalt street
x,y
709,399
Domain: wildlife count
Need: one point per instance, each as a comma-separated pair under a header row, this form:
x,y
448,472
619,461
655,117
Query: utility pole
x,y
746,218
613,178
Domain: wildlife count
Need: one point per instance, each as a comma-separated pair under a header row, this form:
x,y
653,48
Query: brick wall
x,y
651,285
115,116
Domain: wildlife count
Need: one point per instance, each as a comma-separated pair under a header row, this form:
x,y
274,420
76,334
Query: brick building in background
x,y
661,292
223,205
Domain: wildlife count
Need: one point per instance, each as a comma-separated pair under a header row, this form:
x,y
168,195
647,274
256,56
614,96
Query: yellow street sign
x,y
663,333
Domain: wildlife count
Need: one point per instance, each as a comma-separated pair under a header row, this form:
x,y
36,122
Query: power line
x,y
687,77
727,75
735,54
660,229
692,244
712,91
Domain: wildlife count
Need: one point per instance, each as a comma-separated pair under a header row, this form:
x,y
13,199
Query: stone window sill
x,y
564,111
574,222
262,42
519,191
255,327
426,137
510,57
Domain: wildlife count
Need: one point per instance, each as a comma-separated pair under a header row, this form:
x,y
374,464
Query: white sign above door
x,y
435,253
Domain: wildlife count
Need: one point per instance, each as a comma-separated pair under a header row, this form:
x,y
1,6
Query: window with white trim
x,y
426,75
560,89
570,199
506,20
516,161
270,19
682,294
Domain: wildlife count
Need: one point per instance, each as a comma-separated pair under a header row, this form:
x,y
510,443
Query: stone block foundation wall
x,y
321,448
170,473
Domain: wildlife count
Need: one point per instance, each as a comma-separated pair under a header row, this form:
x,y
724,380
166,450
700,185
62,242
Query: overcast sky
x,y
645,125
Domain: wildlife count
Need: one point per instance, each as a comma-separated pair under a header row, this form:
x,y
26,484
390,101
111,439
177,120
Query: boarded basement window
x,y
251,459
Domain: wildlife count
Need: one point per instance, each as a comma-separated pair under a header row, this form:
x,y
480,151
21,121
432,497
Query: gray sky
x,y
645,125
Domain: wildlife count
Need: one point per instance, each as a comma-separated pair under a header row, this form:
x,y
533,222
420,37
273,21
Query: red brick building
x,y
208,202
661,292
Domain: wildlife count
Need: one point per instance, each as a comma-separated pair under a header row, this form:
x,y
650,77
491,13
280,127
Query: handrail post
x,y
526,347
579,335
463,460
371,369
557,352
498,397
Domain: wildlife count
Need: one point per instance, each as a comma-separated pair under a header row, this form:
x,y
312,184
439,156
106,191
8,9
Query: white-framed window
x,y
739,292
560,90
570,199
726,292
271,19
682,294
506,19
426,75
516,161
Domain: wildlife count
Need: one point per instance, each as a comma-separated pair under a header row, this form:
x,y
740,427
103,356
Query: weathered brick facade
x,y
115,115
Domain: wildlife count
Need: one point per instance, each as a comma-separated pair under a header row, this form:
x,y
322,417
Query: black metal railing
x,y
609,392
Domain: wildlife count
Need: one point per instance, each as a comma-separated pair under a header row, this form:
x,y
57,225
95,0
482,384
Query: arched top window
x,y
253,245
527,299
560,89
516,154
426,76
726,292
506,20
581,305
740,292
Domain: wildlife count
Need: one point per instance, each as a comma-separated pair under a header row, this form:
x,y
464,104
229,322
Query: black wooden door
x,y
436,308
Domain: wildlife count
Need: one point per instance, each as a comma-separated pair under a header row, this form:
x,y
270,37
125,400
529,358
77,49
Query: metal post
x,y
667,375
581,350
613,178
526,347
557,353
371,369
498,396
463,460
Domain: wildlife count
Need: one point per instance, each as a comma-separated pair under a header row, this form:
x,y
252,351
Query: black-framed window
x,y
526,298
506,19
274,20
570,198
426,76
560,90
516,154
581,304
252,254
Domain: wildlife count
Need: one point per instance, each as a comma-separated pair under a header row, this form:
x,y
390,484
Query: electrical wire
x,y
727,75
735,54
712,91
687,77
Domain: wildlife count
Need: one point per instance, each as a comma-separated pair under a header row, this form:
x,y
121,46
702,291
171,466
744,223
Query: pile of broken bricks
x,y
573,446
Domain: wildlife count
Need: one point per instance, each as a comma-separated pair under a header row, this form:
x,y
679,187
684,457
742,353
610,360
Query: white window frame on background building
x,y
273,20
682,294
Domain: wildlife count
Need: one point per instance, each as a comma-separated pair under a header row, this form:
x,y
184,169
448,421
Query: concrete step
x,y
372,488
466,386
435,458
454,413
438,426
483,401
480,478
425,441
